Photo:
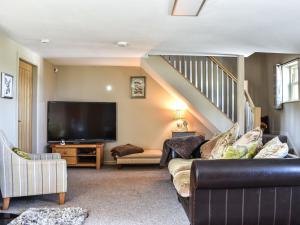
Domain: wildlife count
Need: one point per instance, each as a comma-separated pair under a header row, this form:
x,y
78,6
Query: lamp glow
x,y
108,87
180,107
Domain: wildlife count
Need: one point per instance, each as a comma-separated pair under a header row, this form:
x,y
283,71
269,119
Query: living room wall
x,y
255,74
287,120
143,122
10,53
259,71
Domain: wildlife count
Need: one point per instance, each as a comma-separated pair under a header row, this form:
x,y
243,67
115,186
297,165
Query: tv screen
x,y
81,121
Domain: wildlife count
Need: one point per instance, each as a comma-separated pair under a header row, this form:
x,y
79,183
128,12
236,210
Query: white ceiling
x,y
90,28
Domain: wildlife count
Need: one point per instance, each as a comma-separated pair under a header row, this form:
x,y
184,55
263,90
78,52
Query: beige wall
x,y
10,53
46,91
144,122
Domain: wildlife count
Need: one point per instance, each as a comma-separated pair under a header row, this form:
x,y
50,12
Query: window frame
x,y
286,96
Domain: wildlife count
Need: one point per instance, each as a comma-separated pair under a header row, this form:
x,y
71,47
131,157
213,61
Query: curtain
x,y
278,87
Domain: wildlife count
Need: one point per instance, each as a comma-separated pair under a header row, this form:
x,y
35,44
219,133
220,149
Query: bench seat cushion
x,y
149,156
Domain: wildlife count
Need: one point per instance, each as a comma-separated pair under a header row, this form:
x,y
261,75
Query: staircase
x,y
210,78
208,87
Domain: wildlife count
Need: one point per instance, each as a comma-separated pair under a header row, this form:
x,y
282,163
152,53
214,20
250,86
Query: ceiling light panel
x,y
187,7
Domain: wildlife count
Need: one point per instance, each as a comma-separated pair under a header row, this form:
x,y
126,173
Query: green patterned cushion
x,y
226,139
252,136
252,151
21,153
240,151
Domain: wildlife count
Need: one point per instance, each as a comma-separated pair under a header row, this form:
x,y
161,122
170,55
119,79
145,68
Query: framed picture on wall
x,y
138,87
6,85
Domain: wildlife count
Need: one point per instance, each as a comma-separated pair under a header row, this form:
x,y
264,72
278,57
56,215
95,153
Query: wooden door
x,y
25,106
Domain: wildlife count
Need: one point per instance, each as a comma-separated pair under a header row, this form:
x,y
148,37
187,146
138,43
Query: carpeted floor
x,y
131,196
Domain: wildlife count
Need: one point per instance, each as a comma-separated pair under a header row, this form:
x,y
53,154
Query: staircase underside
x,y
170,79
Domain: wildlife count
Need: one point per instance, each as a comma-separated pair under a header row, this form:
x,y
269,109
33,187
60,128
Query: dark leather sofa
x,y
244,192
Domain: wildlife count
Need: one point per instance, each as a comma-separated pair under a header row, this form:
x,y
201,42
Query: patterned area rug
x,y
51,216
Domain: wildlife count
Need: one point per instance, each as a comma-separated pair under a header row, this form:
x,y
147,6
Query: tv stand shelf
x,y
81,155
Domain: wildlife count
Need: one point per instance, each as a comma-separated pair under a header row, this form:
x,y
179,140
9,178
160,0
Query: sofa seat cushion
x,y
181,183
178,164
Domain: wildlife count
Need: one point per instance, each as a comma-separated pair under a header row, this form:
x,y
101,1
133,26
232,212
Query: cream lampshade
x,y
182,124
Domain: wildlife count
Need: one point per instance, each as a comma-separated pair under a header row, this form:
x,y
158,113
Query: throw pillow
x,y
274,141
252,150
206,148
226,139
252,136
273,151
21,153
240,151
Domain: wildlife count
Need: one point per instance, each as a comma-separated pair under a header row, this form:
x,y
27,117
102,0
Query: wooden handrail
x,y
249,99
212,58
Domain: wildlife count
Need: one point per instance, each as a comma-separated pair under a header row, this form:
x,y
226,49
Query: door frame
x,y
33,103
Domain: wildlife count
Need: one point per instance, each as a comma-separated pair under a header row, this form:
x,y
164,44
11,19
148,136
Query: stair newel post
x,y
240,93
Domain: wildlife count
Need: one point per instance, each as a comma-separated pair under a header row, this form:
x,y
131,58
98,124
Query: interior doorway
x,y
25,95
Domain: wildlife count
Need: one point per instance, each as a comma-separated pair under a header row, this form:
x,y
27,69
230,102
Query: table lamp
x,y
182,124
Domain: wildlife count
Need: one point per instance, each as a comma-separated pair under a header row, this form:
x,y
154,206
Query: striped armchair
x,y
43,174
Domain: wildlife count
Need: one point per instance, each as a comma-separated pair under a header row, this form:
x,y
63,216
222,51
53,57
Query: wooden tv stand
x,y
81,155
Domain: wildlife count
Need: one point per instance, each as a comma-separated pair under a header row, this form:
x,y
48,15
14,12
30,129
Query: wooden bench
x,y
149,156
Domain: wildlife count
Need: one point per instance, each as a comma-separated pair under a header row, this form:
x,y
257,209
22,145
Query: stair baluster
x,y
213,80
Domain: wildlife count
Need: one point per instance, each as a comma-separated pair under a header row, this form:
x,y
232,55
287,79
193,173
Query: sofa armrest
x,y
45,156
220,174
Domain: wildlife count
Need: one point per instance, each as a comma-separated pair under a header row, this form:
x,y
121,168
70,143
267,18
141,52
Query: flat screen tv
x,y
81,122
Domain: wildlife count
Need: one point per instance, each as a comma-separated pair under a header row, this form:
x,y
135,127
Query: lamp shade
x,y
179,114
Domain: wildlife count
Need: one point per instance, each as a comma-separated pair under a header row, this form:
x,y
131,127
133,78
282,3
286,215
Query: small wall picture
x,y
138,86
6,85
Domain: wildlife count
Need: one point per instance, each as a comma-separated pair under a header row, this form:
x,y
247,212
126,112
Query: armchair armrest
x,y
220,174
45,156
23,177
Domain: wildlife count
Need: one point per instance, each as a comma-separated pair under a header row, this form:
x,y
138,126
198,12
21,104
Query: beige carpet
x,y
131,196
